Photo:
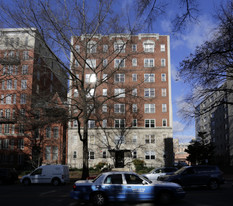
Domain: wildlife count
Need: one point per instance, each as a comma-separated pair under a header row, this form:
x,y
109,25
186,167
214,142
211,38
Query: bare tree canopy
x,y
210,66
65,26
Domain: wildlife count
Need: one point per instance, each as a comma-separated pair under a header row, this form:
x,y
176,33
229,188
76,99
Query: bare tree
x,y
209,69
57,22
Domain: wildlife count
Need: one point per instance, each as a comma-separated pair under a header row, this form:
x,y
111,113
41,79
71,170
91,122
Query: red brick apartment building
x,y
130,76
29,80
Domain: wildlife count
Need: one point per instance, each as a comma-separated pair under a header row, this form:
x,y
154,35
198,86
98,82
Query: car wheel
x,y
165,197
26,182
98,199
56,182
213,184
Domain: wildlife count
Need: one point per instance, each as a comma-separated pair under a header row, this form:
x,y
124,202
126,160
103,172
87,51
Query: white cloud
x,y
178,127
197,34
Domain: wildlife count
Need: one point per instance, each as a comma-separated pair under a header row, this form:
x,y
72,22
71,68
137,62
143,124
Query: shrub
x,y
139,164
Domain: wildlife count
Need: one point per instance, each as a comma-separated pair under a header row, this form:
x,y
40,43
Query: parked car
x,y
124,186
196,176
54,174
155,173
8,175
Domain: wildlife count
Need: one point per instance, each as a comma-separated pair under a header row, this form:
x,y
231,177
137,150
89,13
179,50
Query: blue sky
x,y
182,44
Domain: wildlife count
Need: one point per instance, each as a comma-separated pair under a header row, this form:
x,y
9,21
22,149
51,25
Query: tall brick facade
x,y
130,77
30,79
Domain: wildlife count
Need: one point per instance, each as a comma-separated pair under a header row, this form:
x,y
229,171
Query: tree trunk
x,y
85,171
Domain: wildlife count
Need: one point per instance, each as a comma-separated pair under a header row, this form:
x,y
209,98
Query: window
x,y
119,46
12,144
91,93
134,47
7,113
14,98
134,62
23,84
2,98
15,84
23,99
105,92
164,107
91,47
104,123
134,77
149,92
3,84
134,92
119,123
148,62
55,153
134,123
164,122
48,153
76,64
22,112
74,155
9,84
77,48
134,108
21,144
162,47
150,139
149,123
75,93
25,69
163,62
164,92
48,132
149,108
105,62
104,108
104,154
5,143
119,108
90,78
105,77
133,179
148,46
119,77
134,154
150,155
119,140
91,63
149,77
8,99
105,48
6,128
91,155
25,55
10,70
119,63
16,70
163,77
91,123
134,140
55,132
113,179
21,129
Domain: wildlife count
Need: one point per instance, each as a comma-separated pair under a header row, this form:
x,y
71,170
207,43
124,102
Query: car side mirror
x,y
144,182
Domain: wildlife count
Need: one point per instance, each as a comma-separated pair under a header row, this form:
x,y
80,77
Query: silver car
x,y
155,173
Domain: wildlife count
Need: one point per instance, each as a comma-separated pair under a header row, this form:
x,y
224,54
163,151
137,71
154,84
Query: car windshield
x,y
145,178
97,178
152,171
180,170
